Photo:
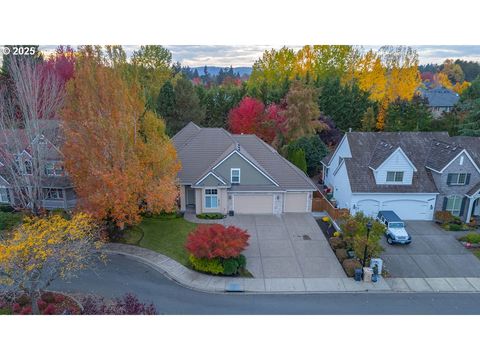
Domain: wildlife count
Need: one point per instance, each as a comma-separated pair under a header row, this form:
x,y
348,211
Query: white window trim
x,y
231,175
211,195
457,200
394,176
457,183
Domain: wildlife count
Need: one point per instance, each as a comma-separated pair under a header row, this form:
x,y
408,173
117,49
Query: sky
x,y
245,55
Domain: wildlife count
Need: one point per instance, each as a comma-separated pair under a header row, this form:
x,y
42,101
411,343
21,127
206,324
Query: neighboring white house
x,y
411,173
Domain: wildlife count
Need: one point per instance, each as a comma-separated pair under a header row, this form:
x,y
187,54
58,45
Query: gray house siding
x,y
211,180
248,174
446,190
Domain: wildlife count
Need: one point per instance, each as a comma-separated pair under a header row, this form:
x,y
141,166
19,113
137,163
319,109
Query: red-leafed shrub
x,y
49,310
217,241
41,304
16,307
27,310
59,298
48,297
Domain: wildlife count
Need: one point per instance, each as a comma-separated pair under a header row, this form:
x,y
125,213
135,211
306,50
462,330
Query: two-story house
x,y
19,170
411,173
439,100
224,173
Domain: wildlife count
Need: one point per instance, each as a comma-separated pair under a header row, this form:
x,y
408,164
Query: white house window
x,y
54,169
457,179
28,167
4,195
394,176
235,176
211,198
454,204
53,194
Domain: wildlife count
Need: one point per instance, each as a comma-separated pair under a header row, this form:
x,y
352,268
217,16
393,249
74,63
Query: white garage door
x,y
409,209
296,202
253,204
368,207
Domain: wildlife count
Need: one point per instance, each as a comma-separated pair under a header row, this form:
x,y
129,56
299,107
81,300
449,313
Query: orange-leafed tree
x,y
117,154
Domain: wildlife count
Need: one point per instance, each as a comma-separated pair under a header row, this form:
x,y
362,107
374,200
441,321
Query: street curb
x,y
178,273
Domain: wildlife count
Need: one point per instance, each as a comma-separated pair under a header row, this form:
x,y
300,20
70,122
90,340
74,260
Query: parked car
x,y
395,228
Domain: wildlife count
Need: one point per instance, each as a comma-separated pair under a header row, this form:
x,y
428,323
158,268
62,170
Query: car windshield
x,y
396,225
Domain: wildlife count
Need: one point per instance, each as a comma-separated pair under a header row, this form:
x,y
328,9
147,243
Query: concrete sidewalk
x,y
207,283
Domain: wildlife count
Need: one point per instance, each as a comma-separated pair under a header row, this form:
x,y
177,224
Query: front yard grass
x,y
476,252
166,236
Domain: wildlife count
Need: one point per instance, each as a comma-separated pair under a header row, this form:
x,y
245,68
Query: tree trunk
x,y
34,298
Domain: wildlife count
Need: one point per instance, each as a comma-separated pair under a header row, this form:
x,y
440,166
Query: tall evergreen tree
x,y
187,106
166,102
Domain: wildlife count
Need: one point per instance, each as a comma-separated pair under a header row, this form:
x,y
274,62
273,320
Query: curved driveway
x,y
123,274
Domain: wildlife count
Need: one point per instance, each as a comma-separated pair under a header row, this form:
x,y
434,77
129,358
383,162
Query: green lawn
x,y
476,252
166,236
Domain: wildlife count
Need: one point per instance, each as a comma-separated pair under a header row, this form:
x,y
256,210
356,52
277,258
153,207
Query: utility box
x,y
367,274
378,262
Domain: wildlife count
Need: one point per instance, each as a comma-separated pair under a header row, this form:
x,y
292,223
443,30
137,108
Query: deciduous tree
x,y
315,150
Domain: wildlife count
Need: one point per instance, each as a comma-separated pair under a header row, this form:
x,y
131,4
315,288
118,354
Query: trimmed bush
x,y
455,227
210,216
473,238
349,265
443,217
341,254
6,311
23,300
337,243
49,310
48,297
211,266
8,220
232,266
6,208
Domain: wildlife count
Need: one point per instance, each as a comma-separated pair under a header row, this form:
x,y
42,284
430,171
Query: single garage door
x,y
368,207
253,204
296,202
409,209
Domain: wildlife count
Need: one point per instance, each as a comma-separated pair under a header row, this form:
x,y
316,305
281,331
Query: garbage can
x,y
367,274
358,274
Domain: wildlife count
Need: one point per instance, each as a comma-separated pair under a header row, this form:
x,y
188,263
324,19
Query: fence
x,y
320,203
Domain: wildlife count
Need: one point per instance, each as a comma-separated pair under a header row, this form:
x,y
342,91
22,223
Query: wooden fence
x,y
320,203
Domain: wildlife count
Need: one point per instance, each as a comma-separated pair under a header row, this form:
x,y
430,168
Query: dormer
x,y
395,168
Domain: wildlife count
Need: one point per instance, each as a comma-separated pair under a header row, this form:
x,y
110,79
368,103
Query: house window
x,y
54,169
454,204
4,195
28,167
53,194
394,176
211,198
235,176
457,179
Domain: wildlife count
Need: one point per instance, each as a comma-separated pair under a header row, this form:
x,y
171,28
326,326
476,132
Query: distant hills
x,y
214,70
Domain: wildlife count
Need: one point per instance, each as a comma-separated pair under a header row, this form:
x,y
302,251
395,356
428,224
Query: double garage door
x,y
270,203
405,209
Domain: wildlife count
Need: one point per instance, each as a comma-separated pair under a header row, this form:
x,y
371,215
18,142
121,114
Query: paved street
x,y
125,275
287,246
433,253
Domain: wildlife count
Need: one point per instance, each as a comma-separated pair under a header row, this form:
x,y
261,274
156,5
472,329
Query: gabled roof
x,y
440,97
201,149
441,153
383,151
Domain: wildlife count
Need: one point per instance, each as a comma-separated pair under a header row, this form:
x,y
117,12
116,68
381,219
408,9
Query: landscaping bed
x,y
50,303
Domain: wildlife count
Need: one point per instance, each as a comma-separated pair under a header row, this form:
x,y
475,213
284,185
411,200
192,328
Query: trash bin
x,y
358,274
367,274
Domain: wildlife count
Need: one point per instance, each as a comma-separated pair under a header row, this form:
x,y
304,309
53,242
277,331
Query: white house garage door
x,y
253,204
409,209
368,207
296,202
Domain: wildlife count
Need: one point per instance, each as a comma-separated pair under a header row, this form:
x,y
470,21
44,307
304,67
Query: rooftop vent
x,y
238,147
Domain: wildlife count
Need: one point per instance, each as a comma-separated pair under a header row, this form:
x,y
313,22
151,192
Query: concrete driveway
x,y
287,246
433,253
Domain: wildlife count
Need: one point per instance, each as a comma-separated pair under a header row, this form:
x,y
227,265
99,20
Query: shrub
x,y
337,243
27,310
443,217
349,265
49,310
59,298
341,254
129,304
232,266
23,300
9,220
16,307
473,238
6,208
6,311
326,219
48,297
210,216
167,215
41,304
336,234
217,241
211,266
455,227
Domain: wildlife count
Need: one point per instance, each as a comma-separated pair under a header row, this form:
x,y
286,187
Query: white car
x,y
395,228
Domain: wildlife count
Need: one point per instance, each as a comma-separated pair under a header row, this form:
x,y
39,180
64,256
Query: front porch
x,y
473,212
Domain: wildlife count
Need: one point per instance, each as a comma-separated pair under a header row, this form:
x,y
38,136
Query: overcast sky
x,y
245,55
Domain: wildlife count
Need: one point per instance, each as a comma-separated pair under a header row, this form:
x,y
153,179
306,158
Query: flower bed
x,y
50,303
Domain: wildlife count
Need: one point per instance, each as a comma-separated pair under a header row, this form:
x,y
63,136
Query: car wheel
x,y
389,240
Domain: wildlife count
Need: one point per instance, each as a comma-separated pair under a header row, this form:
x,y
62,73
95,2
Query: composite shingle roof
x,y
200,149
440,97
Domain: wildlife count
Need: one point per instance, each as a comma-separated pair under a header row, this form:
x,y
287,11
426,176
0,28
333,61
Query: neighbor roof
x,y
200,149
440,97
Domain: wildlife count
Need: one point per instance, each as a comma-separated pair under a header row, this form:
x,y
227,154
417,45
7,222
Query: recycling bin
x,y
358,274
